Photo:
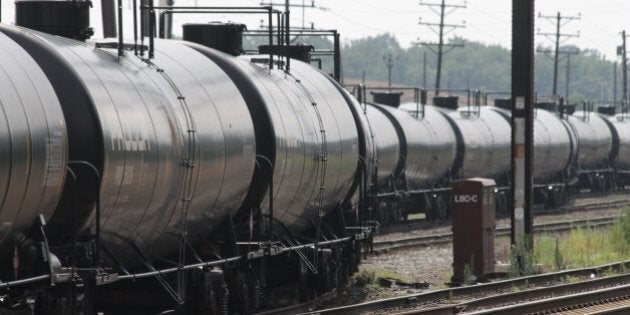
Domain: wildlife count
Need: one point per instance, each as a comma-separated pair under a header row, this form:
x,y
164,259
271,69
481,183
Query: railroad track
x,y
416,224
444,238
301,307
522,295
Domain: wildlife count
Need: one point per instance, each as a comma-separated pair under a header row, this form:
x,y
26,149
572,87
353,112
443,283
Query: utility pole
x,y
424,69
389,63
443,29
108,17
522,121
624,71
615,83
568,74
287,4
558,40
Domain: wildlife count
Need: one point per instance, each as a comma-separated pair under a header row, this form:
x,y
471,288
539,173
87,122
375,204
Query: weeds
x,y
583,247
368,278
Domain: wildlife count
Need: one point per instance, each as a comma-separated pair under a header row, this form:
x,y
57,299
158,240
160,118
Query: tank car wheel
x,y
241,301
324,276
439,206
304,285
383,213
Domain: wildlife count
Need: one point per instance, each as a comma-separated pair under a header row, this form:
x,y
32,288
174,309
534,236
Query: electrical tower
x,y
443,29
559,38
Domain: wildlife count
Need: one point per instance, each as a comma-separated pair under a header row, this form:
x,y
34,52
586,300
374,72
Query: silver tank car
x,y
304,128
484,142
367,146
594,139
620,127
174,140
387,145
554,144
33,150
428,145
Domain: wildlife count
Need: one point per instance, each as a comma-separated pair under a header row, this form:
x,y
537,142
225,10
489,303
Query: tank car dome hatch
x,y
503,103
300,52
448,102
171,141
33,150
70,19
225,37
387,98
608,110
548,106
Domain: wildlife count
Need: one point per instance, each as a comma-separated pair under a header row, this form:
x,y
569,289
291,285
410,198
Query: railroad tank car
x,y
620,154
595,142
427,145
555,150
388,148
306,133
483,143
555,145
33,150
426,148
172,141
162,154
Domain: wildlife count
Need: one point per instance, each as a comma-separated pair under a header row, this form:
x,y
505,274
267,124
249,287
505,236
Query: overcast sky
x,y
488,21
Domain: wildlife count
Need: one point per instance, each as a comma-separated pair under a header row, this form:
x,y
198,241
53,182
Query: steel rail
x,y
427,298
444,238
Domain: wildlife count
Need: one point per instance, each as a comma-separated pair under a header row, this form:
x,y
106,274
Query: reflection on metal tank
x,y
177,140
620,125
430,145
595,139
304,126
554,144
367,147
33,149
485,142
387,145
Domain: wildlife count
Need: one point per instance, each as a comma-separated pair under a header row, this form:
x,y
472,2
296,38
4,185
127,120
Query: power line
x,y
444,29
558,39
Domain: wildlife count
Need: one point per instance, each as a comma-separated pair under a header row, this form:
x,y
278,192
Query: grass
x,y
584,247
368,278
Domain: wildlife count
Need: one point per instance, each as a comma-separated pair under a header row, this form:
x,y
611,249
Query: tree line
x,y
475,66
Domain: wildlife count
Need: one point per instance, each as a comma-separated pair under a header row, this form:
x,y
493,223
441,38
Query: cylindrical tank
x,y
65,18
305,129
173,142
33,149
387,144
367,146
620,127
429,145
594,139
484,142
554,144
